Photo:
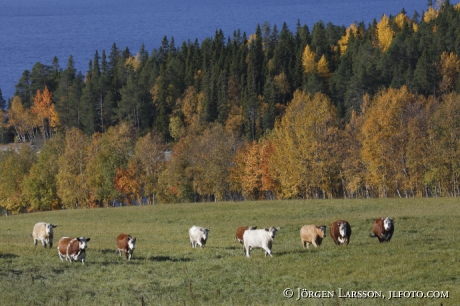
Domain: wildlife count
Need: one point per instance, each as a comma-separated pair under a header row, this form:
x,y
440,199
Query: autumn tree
x,y
147,162
384,32
15,164
43,108
108,152
444,168
72,187
304,159
40,186
384,137
21,120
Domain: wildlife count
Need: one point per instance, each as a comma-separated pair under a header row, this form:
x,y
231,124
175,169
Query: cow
x,y
259,238
43,232
340,232
383,229
72,248
198,235
240,231
126,244
312,234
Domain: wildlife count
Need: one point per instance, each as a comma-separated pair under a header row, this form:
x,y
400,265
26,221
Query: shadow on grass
x,y
167,258
109,251
8,256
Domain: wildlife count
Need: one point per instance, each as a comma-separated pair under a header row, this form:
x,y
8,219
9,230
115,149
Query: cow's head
x,y
387,223
323,230
49,228
131,243
343,229
272,231
82,243
205,233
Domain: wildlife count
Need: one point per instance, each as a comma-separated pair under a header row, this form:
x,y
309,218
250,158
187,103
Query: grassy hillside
x,y
424,255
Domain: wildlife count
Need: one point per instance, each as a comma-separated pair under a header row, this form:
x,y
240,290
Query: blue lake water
x,y
37,30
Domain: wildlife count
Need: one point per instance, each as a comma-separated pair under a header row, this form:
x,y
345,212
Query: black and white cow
x,y
198,235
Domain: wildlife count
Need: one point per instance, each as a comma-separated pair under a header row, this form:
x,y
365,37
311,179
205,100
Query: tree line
x,y
362,111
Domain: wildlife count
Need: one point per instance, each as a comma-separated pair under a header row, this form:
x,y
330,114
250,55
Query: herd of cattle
x,y
74,249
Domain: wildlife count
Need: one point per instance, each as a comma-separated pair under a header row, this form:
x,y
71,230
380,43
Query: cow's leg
x,y
267,251
248,251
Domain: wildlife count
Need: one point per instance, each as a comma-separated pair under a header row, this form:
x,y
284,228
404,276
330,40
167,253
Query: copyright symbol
x,y
288,293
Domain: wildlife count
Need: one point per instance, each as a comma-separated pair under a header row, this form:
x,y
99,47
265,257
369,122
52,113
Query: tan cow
x,y
312,234
43,232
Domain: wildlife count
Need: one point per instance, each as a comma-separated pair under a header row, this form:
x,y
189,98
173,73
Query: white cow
x,y
43,232
198,235
259,238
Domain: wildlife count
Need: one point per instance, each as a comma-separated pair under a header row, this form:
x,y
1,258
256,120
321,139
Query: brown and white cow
x,y
340,232
43,232
126,244
312,234
72,248
240,231
383,229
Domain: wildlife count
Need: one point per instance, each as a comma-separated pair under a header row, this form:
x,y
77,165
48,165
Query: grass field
x,y
423,256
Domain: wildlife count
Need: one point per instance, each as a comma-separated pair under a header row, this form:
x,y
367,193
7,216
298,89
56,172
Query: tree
x,y
149,159
308,60
384,141
107,152
40,186
2,102
43,108
384,32
14,166
305,160
21,120
71,179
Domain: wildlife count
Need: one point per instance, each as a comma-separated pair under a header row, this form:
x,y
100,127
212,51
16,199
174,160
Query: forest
x,y
329,112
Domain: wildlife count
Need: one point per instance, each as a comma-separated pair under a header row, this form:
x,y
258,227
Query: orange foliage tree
x,y
43,108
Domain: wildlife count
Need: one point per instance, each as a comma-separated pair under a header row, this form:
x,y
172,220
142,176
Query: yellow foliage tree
x,y
384,137
323,67
72,187
401,19
430,14
308,60
304,159
343,42
384,33
449,67
133,62
21,120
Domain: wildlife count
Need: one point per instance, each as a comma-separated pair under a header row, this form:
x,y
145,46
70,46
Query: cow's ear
x,y
278,228
53,226
88,239
267,229
78,239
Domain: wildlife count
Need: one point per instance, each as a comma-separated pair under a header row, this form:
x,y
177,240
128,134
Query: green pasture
x,y
423,256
